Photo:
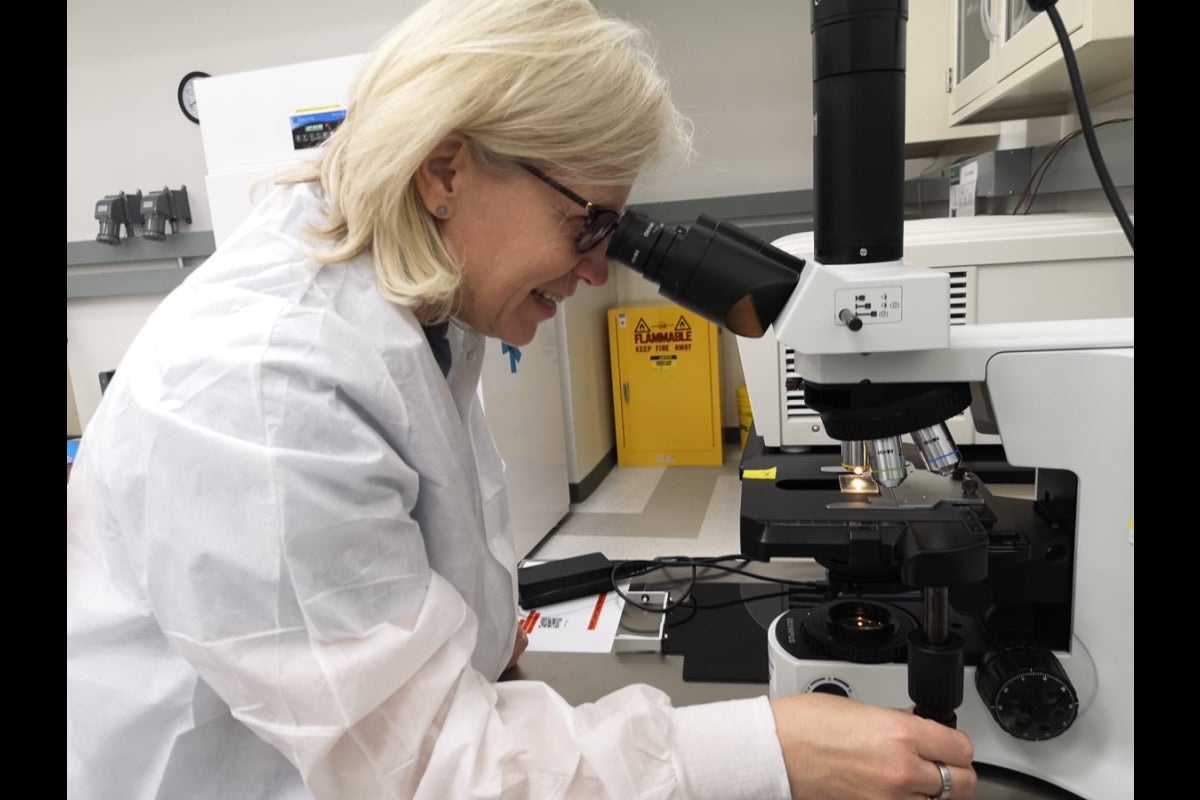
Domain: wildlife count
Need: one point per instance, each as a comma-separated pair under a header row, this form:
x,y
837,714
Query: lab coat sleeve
x,y
357,724
300,592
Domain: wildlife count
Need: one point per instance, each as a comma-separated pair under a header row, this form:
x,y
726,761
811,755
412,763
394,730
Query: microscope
x,y
1009,618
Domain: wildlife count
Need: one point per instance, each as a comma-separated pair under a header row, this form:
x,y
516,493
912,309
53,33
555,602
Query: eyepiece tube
x,y
721,272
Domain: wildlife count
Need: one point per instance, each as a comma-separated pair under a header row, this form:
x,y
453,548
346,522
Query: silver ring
x,y
945,772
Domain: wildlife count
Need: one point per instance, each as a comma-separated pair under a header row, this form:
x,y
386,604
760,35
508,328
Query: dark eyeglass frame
x,y
599,222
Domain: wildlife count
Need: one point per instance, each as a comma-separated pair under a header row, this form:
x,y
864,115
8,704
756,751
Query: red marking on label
x,y
529,621
596,611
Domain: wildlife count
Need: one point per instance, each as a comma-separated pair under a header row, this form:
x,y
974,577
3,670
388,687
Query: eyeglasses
x,y
597,225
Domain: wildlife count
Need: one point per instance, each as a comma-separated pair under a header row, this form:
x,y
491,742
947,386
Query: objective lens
x,y
854,456
938,449
887,461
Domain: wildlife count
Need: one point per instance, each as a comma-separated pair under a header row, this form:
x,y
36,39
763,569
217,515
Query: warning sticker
x,y
664,363
664,339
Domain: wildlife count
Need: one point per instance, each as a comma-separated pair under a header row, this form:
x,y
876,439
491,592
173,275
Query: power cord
x,y
623,570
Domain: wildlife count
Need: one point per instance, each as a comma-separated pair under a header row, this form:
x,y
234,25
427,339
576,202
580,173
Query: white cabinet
x,y
1008,63
928,70
522,399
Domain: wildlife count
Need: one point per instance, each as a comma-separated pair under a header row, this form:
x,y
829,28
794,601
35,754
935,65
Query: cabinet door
x,y
995,38
665,386
1023,35
974,51
928,71
1009,61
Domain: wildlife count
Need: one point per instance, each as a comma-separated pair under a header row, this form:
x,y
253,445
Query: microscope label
x,y
873,306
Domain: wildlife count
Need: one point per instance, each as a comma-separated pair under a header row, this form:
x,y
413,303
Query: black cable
x,y
641,567
1039,170
1085,117
637,567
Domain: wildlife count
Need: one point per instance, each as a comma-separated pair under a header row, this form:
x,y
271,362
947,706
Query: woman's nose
x,y
592,267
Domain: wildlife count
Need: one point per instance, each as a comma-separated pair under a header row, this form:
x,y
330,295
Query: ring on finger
x,y
944,771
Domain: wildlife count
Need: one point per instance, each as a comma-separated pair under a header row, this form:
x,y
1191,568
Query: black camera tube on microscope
x,y
858,130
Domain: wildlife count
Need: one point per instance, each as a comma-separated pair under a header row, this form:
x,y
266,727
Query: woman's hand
x,y
836,748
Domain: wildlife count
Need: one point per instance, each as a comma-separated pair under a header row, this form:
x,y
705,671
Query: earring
x,y
442,211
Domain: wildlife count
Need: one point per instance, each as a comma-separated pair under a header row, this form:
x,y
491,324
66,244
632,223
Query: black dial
x,y
187,95
1027,690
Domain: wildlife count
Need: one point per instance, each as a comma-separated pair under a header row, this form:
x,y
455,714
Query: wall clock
x,y
187,95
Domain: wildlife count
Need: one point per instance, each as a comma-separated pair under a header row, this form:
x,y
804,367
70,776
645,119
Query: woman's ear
x,y
440,174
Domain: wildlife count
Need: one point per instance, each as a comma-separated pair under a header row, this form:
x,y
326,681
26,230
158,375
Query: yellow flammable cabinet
x,y
666,388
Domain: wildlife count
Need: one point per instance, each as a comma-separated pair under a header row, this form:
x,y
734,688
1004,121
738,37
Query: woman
x,y
289,569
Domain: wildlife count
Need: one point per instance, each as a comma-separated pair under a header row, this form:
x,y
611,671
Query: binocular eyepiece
x,y
716,269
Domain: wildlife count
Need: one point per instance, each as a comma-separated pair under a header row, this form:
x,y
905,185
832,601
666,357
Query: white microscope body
x,y
1061,394
1002,268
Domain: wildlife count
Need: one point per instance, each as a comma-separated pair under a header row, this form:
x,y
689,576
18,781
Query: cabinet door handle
x,y
625,390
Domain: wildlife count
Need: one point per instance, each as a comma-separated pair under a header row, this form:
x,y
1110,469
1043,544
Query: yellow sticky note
x,y
759,474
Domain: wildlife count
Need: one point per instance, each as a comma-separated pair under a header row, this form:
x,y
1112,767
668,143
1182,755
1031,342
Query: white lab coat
x,y
290,575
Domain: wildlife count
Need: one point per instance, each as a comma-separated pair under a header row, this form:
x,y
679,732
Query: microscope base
x,y
1086,759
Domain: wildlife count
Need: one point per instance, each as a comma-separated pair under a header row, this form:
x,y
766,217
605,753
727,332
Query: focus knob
x,y
1027,690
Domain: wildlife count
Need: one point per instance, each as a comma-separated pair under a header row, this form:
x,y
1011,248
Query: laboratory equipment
x,y
1008,617
162,208
114,211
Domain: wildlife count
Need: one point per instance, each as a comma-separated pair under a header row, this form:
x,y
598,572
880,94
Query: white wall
x,y
742,72
124,62
99,331
125,131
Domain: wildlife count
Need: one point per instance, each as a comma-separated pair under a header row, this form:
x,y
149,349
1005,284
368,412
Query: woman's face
x,y
516,238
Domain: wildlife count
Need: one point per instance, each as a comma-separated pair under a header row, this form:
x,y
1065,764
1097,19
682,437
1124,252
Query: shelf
x,y
102,270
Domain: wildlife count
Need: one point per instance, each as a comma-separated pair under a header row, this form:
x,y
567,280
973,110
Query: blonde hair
x,y
548,82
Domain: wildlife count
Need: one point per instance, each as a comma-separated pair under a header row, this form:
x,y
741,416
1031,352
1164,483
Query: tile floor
x,y
645,512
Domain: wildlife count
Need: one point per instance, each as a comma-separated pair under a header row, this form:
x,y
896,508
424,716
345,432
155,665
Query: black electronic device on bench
x,y
563,579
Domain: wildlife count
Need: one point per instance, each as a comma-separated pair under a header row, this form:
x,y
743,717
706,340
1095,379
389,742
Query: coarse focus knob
x,y
1027,690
